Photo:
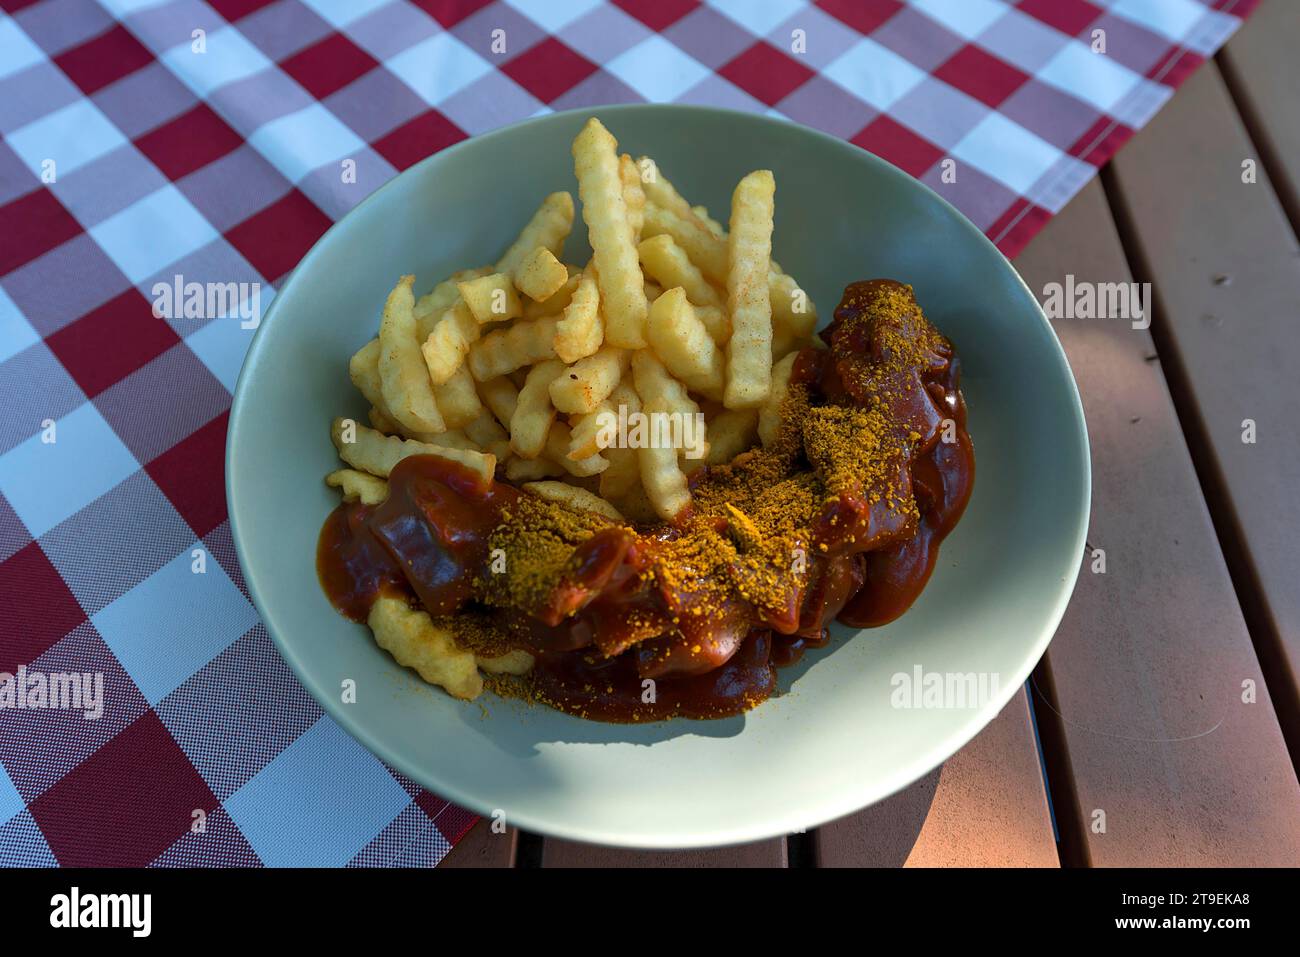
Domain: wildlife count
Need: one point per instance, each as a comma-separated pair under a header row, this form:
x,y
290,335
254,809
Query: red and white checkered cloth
x,y
129,157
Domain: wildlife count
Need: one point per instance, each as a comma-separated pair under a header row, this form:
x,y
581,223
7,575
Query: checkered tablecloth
x,y
144,140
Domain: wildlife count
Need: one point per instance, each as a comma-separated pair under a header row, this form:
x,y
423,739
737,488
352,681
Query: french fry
x,y
661,476
358,486
653,382
707,251
458,399
491,298
633,194
659,191
716,321
500,395
505,350
414,641
622,292
715,227
378,454
794,317
549,227
487,433
363,369
558,442
576,498
530,470
558,301
769,413
447,345
584,384
749,350
403,377
381,422
731,432
540,275
669,265
534,412
581,331
430,307
682,343
623,473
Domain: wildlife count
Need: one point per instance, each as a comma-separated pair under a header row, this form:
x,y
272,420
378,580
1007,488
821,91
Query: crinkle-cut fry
x,y
584,384
581,331
769,413
528,470
716,321
793,312
380,421
659,191
414,641
358,486
661,475
363,370
557,303
514,662
505,350
574,497
731,432
430,307
540,275
669,265
715,227
500,395
449,342
707,251
749,350
378,454
534,412
491,298
622,287
403,377
549,227
485,429
623,473
458,399
558,441
654,383
683,344
633,194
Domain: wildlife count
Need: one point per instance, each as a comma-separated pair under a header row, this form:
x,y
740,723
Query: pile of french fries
x,y
511,366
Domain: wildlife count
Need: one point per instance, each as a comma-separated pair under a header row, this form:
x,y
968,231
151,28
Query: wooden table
x,y
1162,726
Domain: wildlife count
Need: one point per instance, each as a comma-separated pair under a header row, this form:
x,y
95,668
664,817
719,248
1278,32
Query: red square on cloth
x,y
766,73
111,342
191,141
548,69
38,609
234,10
192,474
328,66
126,803
451,12
418,138
110,56
659,15
862,15
1068,16
276,238
981,75
896,143
31,226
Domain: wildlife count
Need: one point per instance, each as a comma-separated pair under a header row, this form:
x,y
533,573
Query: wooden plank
x,y
1260,66
556,853
1226,269
1148,726
986,807
482,848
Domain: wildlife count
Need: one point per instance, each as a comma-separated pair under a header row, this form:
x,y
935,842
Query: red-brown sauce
x,y
430,535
